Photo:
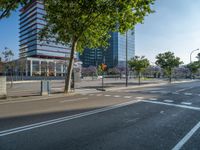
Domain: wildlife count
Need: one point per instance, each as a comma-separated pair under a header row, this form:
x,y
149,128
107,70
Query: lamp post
x,y
191,60
191,54
126,58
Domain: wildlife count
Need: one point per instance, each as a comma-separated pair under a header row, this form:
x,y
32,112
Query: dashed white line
x,y
117,96
168,101
186,103
73,100
180,144
153,99
188,94
107,95
139,97
99,94
175,93
91,94
127,96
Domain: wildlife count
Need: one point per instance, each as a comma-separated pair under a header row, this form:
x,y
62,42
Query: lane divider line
x,y
73,100
184,140
170,104
63,119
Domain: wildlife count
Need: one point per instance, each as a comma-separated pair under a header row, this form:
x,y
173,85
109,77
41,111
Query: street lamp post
x,y
191,60
191,54
126,58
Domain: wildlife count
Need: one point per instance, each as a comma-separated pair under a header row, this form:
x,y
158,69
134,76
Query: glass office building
x,y
39,53
114,55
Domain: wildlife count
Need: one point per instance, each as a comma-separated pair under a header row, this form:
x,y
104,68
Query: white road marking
x,y
171,104
117,96
139,97
187,94
164,92
153,99
184,140
32,100
73,100
99,94
181,90
176,93
186,103
63,119
91,94
168,101
107,95
127,96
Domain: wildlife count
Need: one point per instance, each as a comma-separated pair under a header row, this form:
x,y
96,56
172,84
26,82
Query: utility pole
x,y
126,58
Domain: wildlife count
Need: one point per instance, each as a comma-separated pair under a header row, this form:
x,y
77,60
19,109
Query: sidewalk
x,y
91,87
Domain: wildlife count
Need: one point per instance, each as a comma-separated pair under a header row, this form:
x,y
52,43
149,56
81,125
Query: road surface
x,y
154,118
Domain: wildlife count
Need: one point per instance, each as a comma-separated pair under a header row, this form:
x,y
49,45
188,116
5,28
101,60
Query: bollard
x,y
3,91
45,87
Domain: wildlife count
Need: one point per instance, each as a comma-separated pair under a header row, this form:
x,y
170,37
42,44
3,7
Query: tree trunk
x,y
170,77
139,78
70,68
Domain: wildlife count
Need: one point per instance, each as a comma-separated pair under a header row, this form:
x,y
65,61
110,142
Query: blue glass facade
x,y
31,22
115,54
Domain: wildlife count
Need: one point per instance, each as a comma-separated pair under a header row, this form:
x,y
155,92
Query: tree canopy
x,y
138,64
168,61
86,24
194,67
7,6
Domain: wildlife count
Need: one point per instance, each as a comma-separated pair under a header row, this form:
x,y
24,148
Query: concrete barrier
x,y
3,91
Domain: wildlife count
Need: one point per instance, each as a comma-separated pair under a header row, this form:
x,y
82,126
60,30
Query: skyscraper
x,y
39,54
115,54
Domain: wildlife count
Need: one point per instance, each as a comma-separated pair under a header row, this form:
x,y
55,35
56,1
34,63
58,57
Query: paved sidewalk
x,y
90,87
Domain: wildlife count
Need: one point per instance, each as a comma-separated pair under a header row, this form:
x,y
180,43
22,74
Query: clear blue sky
x,y
175,26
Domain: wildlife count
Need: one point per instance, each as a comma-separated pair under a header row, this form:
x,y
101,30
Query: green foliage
x,y
168,61
99,70
7,6
194,66
139,64
84,24
7,55
89,22
198,56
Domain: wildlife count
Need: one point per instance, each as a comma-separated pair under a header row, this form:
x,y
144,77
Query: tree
x,y
114,71
167,61
6,6
86,24
198,56
9,65
193,67
89,71
138,64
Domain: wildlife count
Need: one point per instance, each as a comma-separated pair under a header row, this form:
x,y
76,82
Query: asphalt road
x,y
153,118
